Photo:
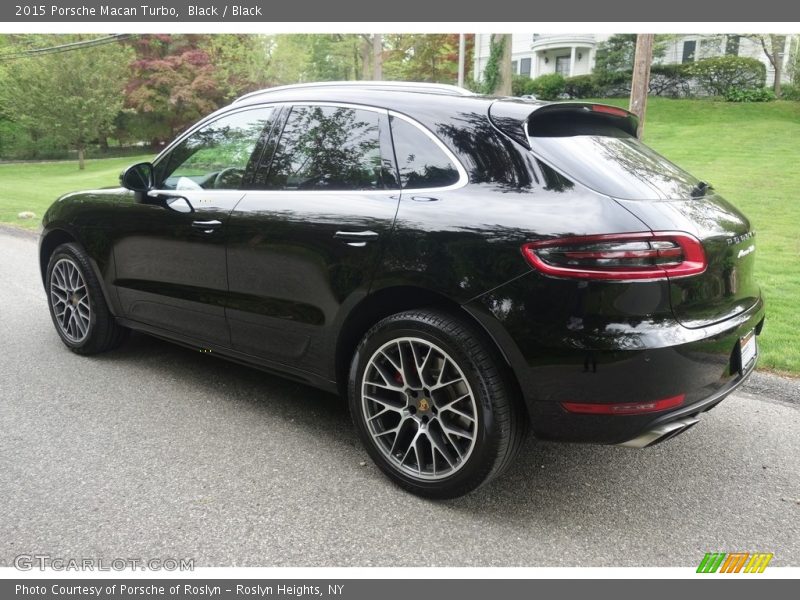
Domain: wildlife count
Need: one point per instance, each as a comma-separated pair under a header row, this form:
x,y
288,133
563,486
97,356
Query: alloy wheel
x,y
419,408
69,297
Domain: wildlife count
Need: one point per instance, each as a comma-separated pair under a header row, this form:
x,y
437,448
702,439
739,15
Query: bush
x,y
548,87
613,84
790,92
750,95
673,81
722,75
580,86
521,85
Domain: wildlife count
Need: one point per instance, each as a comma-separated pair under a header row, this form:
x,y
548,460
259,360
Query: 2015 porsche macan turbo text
x,y
463,268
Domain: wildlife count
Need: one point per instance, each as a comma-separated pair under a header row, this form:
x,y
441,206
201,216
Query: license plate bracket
x,y
748,349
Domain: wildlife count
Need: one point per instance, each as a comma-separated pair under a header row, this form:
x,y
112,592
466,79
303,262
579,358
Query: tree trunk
x,y
81,161
640,82
377,57
504,83
778,42
366,51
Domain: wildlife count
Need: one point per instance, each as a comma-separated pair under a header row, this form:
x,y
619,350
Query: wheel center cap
x,y
74,300
424,405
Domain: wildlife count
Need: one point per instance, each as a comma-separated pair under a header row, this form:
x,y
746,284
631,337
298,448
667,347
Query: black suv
x,y
463,267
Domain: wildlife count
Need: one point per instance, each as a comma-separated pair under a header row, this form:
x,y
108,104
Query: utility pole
x,y
462,48
640,83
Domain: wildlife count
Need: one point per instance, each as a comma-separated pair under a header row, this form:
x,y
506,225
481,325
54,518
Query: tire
x,y
434,404
77,305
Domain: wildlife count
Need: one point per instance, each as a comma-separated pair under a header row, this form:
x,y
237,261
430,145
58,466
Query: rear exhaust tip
x,y
661,433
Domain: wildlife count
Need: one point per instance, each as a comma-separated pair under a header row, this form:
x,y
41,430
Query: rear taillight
x,y
644,255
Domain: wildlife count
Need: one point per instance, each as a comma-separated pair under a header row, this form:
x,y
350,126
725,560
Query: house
x,y
534,54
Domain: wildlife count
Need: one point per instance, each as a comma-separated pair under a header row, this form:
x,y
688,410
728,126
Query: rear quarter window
x,y
420,160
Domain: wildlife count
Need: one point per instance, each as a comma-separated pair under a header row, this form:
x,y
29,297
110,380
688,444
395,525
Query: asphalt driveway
x,y
157,451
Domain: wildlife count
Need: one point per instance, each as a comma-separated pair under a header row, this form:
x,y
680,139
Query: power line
x,y
72,46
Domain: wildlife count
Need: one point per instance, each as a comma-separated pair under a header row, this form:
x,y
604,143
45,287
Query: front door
x,y
305,242
171,271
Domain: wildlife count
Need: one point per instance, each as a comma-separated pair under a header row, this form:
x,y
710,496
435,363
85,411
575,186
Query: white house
x,y
535,54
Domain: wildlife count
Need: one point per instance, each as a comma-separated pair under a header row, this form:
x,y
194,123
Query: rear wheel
x,y
433,404
77,306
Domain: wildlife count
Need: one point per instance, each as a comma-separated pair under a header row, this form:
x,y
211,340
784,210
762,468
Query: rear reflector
x,y
626,408
644,255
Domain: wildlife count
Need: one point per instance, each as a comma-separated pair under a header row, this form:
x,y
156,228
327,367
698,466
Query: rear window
x,y
591,150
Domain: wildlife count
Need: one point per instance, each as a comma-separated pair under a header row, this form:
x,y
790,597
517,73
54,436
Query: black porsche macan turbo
x,y
464,268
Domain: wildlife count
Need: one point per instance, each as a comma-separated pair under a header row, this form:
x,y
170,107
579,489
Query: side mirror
x,y
138,178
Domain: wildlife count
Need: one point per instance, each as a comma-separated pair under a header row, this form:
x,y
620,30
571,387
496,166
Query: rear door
x,y
304,242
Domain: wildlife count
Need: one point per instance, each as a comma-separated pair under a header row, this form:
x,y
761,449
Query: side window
x,y
216,156
327,148
421,162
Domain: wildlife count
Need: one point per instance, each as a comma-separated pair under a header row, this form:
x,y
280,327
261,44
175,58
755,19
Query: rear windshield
x,y
608,160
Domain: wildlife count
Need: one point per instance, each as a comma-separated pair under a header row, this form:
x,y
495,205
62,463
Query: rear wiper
x,y
701,188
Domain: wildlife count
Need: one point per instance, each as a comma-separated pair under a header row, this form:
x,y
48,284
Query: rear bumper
x,y
619,361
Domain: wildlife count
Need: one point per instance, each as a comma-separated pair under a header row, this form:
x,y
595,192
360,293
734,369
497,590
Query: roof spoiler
x,y
519,118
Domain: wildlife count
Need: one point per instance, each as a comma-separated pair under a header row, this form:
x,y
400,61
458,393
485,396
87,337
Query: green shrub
x,y
580,86
614,84
521,85
673,81
790,92
750,95
722,75
548,87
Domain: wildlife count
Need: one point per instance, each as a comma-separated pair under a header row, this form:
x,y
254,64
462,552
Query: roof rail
x,y
404,86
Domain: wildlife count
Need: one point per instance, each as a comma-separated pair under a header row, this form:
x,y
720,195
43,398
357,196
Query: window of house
x,y
216,155
514,67
421,162
562,65
525,67
689,49
732,45
327,148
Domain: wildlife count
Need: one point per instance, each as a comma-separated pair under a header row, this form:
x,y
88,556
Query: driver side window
x,y
216,156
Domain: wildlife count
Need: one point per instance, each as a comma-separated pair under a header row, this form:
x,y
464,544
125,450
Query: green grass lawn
x,y
33,186
749,152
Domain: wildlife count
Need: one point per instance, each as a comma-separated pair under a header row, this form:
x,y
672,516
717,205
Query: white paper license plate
x,y
748,348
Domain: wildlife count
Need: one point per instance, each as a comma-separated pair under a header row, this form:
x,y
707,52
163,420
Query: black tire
x,y
103,333
501,423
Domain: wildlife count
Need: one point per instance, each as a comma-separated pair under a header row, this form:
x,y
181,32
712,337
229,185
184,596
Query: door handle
x,y
357,239
207,226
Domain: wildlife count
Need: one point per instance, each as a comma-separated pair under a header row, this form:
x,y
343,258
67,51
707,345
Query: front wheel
x,y
433,405
77,306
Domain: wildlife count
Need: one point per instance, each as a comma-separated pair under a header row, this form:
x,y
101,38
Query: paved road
x,y
156,451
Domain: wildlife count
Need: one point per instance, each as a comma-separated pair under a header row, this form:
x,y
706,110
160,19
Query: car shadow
x,y
557,483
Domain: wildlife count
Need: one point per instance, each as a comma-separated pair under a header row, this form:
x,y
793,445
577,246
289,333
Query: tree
x,y
240,62
772,45
497,77
72,95
616,54
172,83
427,57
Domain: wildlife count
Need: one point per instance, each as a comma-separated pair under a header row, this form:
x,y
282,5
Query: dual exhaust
x,y
661,433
